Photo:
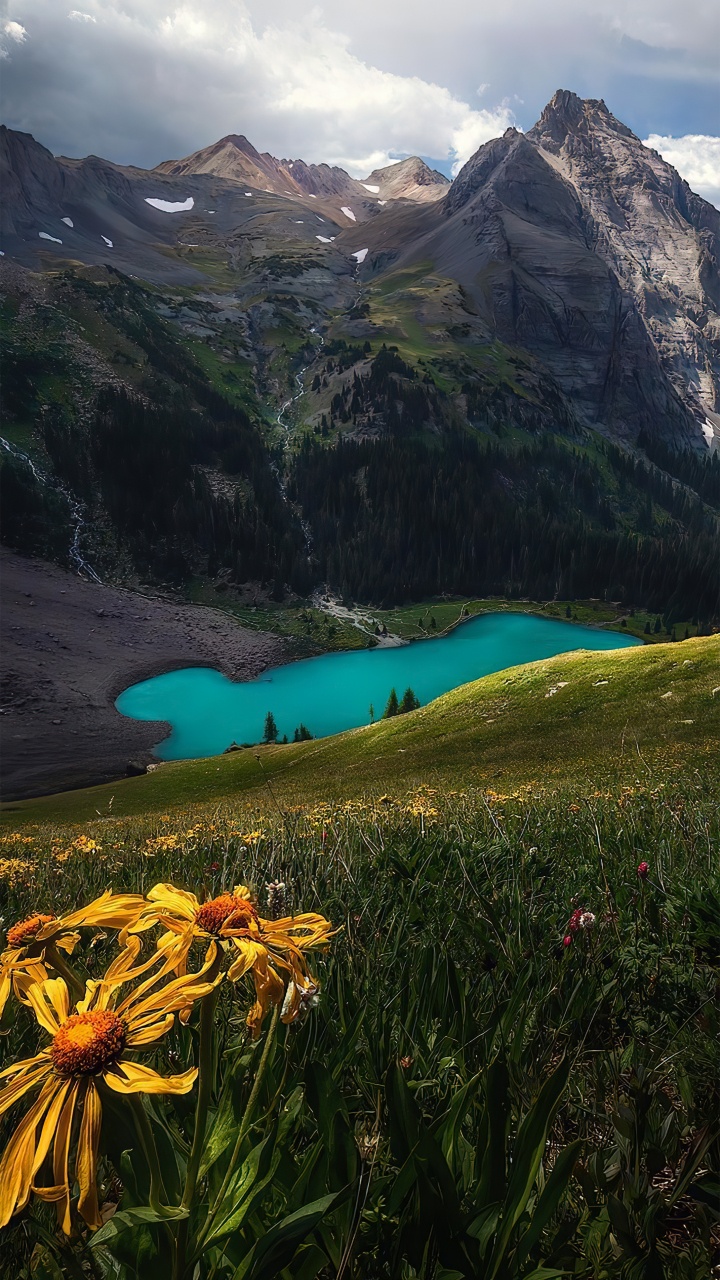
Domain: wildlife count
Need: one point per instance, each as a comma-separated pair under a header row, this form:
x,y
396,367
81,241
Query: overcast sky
x,y
140,81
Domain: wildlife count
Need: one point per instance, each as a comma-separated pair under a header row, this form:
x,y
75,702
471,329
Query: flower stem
x,y
147,1142
244,1127
61,966
205,1079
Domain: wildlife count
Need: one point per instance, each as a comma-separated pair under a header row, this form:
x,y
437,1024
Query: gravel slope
x,y
69,647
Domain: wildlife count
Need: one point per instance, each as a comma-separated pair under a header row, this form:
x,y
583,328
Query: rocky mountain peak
x,y
567,116
409,179
240,142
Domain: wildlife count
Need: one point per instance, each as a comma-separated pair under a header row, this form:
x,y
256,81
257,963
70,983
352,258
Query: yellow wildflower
x,y
254,945
87,1045
29,940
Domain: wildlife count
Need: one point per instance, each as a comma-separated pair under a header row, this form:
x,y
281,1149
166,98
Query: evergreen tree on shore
x,y
409,701
392,705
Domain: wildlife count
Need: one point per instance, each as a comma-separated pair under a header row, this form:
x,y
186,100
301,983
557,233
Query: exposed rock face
x,y
30,177
410,179
659,237
591,252
323,180
574,243
237,160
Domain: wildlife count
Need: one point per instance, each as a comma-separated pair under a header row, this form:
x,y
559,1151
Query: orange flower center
x,y
228,910
24,932
87,1042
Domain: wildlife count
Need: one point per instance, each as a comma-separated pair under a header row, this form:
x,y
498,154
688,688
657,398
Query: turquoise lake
x,y
334,692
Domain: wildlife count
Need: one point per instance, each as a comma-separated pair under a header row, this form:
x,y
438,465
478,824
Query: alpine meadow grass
x,y
511,1066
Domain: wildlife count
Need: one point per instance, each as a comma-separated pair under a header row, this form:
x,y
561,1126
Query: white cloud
x,y
196,73
141,81
10,33
14,31
696,156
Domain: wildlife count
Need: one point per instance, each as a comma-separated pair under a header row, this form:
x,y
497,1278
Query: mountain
x,y
409,179
577,244
315,375
659,237
237,160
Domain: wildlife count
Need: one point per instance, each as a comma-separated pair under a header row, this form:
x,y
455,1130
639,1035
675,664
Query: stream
x,y
77,508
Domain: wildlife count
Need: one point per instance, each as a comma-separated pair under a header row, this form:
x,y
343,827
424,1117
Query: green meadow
x,y
512,1072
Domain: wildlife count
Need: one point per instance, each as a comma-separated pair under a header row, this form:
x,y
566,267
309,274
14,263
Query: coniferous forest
x,y
395,495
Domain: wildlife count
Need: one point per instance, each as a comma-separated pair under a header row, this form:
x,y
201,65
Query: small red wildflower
x,y
643,870
574,921
567,940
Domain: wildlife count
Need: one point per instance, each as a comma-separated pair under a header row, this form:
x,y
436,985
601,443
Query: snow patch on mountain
x,y
172,206
348,213
360,256
44,235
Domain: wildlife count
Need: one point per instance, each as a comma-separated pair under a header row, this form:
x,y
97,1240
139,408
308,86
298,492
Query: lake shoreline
x,y
70,647
336,692
71,653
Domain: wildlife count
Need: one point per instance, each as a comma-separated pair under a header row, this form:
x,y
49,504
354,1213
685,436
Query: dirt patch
x,y
69,647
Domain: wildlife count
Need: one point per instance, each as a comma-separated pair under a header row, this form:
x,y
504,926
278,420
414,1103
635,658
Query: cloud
x,y
14,31
10,33
696,156
172,80
140,81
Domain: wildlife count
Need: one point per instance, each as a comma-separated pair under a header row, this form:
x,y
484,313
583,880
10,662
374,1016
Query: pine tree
x,y
391,706
409,702
270,732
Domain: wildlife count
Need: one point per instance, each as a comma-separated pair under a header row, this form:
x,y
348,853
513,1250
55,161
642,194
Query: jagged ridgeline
x,y
399,387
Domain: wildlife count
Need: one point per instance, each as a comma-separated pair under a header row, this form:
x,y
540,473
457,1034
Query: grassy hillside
x,y
469,1025
585,720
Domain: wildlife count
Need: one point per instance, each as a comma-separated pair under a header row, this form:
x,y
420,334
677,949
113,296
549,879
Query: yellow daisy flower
x,y
29,939
261,947
87,1045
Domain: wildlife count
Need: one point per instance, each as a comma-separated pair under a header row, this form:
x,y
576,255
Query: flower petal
x,y
131,1077
249,954
177,902
111,910
18,1161
25,1079
61,1152
269,990
49,1000
5,984
148,1034
67,942
86,1159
